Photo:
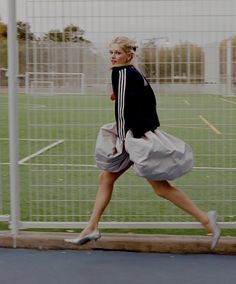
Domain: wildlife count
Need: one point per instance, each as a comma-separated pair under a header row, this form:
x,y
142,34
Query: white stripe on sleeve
x,y
121,103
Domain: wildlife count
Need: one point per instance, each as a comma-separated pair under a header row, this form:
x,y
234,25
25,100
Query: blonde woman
x,y
135,111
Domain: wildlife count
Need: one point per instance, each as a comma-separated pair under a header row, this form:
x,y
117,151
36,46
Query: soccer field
x,y
58,175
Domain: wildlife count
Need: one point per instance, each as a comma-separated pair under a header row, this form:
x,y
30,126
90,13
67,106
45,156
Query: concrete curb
x,y
124,242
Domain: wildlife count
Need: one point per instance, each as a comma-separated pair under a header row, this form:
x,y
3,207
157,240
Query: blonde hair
x,y
127,44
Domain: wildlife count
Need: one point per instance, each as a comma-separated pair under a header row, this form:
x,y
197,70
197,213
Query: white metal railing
x,y
60,145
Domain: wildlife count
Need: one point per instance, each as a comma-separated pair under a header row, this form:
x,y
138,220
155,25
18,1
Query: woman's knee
x,y
161,188
107,177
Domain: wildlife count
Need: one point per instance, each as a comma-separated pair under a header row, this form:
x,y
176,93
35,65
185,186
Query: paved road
x,y
108,267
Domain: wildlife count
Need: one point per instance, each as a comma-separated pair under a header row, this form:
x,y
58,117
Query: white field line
x,y
94,166
187,102
22,161
228,101
212,127
29,139
214,168
186,127
230,134
179,118
60,165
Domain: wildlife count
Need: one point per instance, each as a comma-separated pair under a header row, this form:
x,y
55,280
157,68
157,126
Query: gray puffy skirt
x,y
156,156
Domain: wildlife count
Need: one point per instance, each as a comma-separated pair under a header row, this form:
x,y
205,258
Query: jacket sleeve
x,y
119,83
135,103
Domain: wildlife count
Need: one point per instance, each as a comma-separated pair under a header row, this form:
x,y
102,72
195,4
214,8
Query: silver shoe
x,y
87,238
215,227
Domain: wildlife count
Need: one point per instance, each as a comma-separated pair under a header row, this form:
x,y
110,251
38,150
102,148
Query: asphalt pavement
x,y
27,266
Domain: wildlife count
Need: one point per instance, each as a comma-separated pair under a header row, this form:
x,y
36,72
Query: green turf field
x,y
58,174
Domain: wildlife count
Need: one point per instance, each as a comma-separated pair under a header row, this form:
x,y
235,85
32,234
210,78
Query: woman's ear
x,y
130,57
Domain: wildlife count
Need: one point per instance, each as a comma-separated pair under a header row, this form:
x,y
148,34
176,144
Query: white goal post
x,y
52,83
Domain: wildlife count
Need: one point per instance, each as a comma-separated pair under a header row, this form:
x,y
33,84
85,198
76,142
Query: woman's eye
x,y
114,52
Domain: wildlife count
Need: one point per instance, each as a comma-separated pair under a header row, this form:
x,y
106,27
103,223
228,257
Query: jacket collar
x,y
121,65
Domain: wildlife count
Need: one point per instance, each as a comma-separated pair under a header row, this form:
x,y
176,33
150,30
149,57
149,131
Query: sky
x,y
197,21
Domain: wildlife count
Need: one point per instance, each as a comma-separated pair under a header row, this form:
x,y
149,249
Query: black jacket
x,y
135,104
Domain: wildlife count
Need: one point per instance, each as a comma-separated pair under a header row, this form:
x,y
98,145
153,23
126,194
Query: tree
x,y
3,46
23,31
73,33
53,35
166,63
70,33
3,31
224,54
148,59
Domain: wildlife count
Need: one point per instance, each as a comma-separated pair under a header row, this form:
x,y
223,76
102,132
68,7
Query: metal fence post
x,y
13,119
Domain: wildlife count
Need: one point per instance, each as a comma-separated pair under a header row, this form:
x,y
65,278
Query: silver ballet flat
x,y
87,238
216,228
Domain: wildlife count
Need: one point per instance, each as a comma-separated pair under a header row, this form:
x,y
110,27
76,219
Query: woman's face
x,y
118,56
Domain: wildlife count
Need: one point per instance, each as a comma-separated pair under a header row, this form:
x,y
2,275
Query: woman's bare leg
x,y
181,200
103,197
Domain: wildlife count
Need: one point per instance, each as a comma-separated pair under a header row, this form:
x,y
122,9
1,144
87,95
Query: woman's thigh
x,y
111,177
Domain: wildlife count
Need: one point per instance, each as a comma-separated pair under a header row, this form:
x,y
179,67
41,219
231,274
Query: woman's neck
x,y
122,65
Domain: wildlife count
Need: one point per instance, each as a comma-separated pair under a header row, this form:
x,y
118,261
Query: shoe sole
x,y
84,240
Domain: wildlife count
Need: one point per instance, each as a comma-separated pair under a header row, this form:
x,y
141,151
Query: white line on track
x,y
212,127
22,161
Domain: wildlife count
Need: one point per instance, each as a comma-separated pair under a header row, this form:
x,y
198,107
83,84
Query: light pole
x,y
13,121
